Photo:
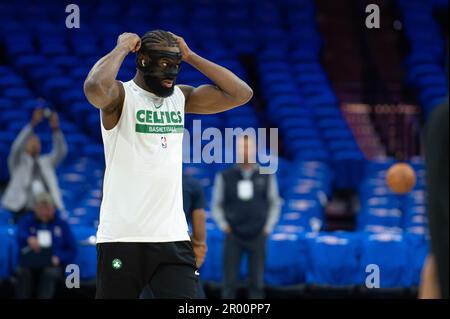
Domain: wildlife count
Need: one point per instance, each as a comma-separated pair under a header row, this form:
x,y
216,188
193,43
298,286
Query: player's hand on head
x,y
186,52
37,117
129,41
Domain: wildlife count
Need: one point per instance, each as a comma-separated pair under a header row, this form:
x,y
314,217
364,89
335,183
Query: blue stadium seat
x,y
211,269
52,85
335,123
10,81
387,217
332,134
5,104
349,168
17,93
378,164
6,138
87,256
6,217
4,152
285,262
7,244
336,145
30,61
333,260
390,253
41,73
311,208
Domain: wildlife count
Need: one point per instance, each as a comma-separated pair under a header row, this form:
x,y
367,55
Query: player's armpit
x,y
106,98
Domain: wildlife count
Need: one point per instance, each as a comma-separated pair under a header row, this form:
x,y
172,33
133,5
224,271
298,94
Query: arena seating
x,y
426,62
281,43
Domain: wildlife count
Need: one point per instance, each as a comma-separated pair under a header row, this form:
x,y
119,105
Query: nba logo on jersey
x,y
163,142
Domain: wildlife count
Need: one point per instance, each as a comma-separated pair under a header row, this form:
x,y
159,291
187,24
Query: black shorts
x,y
124,269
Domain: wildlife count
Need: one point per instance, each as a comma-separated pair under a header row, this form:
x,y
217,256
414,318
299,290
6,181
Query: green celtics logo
x,y
117,264
159,122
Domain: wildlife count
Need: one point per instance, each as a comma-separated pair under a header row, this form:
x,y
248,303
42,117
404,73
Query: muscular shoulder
x,y
186,89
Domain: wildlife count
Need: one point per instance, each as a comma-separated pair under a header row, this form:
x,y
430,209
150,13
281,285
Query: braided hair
x,y
158,38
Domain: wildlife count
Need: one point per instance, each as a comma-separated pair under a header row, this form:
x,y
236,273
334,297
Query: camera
x,y
47,112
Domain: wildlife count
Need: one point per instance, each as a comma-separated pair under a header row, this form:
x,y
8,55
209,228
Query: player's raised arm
x,y
101,87
228,92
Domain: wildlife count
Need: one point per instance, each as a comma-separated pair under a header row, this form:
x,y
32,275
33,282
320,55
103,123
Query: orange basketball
x,y
401,178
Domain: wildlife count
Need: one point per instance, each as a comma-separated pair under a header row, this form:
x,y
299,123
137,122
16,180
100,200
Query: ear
x,y
143,60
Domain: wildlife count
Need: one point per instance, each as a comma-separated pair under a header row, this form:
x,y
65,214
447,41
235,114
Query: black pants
x,y
148,294
124,269
40,282
234,248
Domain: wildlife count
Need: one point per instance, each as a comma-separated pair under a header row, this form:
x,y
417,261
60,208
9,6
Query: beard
x,y
154,84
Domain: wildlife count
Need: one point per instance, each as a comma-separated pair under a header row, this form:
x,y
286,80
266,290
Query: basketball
x,y
401,178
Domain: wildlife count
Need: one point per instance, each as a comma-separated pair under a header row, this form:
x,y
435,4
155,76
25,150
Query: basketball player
x,y
143,235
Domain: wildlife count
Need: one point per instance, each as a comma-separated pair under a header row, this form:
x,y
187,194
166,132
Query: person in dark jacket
x,y
246,207
46,246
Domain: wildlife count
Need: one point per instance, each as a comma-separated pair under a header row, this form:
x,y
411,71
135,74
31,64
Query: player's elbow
x,y
94,92
91,88
245,94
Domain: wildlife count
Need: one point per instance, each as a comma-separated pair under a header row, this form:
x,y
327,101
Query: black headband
x,y
162,54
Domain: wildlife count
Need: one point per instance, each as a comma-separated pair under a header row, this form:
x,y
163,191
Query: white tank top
x,y
142,189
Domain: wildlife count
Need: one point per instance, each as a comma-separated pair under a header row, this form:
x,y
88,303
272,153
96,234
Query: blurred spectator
x,y
30,171
46,246
435,274
194,203
246,207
